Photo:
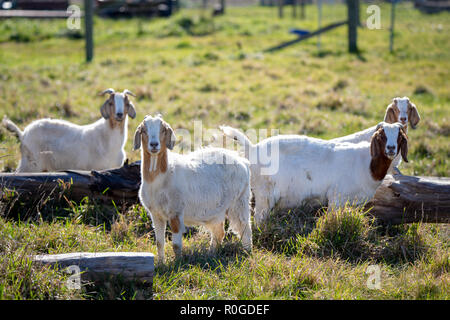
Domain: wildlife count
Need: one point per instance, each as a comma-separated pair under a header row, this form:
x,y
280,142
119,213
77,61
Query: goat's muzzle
x,y
390,152
154,147
119,117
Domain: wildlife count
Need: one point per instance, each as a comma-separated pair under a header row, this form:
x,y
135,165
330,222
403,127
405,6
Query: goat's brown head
x,y
402,110
118,105
154,134
388,140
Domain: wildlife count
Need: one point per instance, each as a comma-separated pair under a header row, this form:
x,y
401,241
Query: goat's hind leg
x,y
217,234
240,223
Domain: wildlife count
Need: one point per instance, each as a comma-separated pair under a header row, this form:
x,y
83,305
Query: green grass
x,y
190,67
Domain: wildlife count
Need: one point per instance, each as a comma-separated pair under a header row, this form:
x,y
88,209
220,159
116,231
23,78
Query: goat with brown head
x,y
155,136
387,142
402,110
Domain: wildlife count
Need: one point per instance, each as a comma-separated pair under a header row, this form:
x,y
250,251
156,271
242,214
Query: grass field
x,y
190,67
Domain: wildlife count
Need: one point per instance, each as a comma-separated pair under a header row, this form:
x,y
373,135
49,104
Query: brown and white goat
x,y
52,145
331,172
194,189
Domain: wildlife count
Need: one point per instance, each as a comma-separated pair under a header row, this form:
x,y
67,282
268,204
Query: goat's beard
x,y
153,162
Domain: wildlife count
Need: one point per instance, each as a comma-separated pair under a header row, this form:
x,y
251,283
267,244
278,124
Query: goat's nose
x,y
403,119
119,114
391,148
153,144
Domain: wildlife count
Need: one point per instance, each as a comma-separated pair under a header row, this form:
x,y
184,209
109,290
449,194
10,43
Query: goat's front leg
x,y
159,225
177,226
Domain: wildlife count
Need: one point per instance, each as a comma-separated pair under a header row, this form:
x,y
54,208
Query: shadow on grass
x,y
199,255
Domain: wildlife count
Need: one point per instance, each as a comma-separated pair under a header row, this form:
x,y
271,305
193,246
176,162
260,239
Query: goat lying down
x,y
51,145
331,172
400,110
200,188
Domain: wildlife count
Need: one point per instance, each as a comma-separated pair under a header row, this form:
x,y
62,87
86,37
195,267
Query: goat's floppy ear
x,y
170,137
403,144
375,147
131,110
413,114
391,114
104,110
137,138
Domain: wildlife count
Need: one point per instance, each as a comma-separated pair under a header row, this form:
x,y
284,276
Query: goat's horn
x,y
109,91
126,91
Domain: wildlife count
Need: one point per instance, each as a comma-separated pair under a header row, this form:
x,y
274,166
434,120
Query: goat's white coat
x,y
52,145
311,168
199,189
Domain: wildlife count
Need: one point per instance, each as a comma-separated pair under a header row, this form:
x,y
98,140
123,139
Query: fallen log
x,y
98,266
407,199
104,269
120,185
400,199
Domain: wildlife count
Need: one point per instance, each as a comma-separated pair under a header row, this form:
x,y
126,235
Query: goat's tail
x,y
11,126
238,136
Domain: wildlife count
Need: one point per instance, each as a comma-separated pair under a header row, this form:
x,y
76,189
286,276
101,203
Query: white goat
x,y
328,171
200,188
400,110
51,145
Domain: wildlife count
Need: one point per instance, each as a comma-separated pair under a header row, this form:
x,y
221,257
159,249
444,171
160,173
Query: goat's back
x,y
311,167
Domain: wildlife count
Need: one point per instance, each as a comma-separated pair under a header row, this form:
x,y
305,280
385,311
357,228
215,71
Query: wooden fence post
x,y
88,23
302,11
352,10
280,8
391,29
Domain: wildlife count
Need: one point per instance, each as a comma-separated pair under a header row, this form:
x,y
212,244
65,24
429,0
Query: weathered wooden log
x,y
103,266
406,199
400,199
120,185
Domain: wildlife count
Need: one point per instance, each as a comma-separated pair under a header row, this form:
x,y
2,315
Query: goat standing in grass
x,y
52,145
201,188
331,172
